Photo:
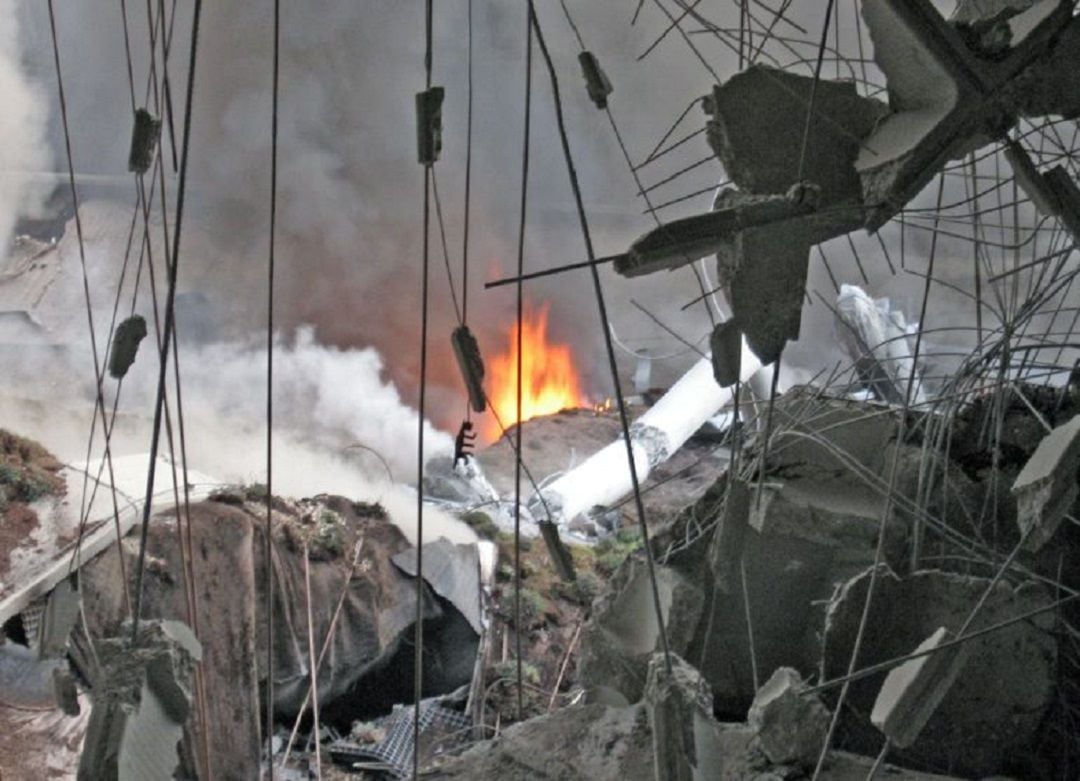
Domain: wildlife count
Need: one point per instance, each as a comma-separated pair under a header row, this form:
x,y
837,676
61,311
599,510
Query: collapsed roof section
x,y
953,86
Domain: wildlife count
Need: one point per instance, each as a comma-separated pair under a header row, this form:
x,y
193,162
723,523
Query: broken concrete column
x,y
686,741
1046,488
912,692
790,724
141,703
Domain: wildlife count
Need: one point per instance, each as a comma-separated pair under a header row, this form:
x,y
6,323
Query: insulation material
x,y
878,338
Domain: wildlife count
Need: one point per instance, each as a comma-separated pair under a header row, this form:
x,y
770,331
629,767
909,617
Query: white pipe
x,y
604,477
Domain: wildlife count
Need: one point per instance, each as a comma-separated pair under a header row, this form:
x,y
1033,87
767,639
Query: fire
x,y
549,381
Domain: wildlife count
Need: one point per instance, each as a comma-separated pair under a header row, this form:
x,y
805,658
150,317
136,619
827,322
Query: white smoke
x,y
23,146
330,398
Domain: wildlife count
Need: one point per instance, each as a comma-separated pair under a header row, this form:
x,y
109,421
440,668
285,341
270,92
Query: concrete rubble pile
x,y
770,591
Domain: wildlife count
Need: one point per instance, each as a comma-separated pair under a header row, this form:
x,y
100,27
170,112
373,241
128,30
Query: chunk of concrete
x,y
685,735
757,120
762,266
125,344
726,548
1046,487
140,704
912,691
790,724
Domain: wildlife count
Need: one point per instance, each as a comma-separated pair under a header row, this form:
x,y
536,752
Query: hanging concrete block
x,y
1046,487
141,702
763,271
125,344
144,139
429,125
471,365
726,347
596,81
912,692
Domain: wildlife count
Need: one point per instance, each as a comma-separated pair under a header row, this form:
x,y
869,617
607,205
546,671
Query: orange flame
x,y
549,381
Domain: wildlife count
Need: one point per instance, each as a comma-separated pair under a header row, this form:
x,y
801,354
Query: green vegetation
x,y
482,524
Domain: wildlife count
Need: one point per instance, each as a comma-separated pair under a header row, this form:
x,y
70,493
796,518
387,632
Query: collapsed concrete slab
x,y
683,241
994,709
141,702
1046,488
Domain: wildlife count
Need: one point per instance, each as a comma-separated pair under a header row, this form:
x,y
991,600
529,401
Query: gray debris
x,y
1046,488
790,724
623,633
144,139
683,241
